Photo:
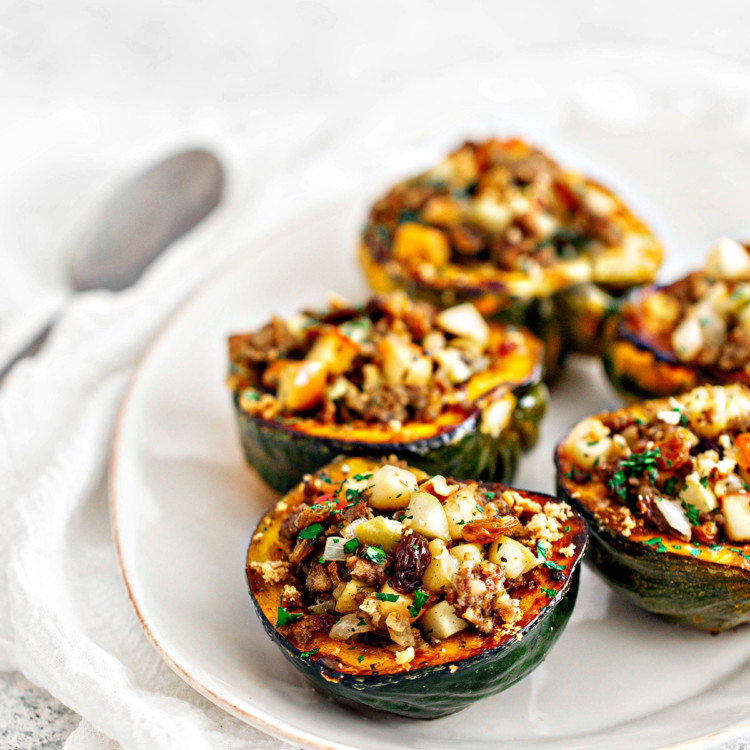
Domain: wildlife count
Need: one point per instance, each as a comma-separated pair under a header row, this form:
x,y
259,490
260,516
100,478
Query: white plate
x,y
184,504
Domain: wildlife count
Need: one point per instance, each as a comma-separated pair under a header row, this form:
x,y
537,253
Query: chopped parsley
x,y
350,547
360,658
420,599
550,593
704,481
250,395
541,550
670,485
306,654
656,543
284,618
360,477
313,531
375,555
553,565
634,465
386,597
691,512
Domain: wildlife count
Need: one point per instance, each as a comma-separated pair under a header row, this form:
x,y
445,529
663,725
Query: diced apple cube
x,y
468,551
391,487
513,557
380,532
425,515
695,494
439,573
728,259
736,509
404,363
466,321
441,621
461,508
334,350
345,603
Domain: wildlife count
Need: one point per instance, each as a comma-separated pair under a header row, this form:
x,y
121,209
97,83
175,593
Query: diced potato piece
x,y
333,350
728,259
345,603
425,514
380,532
441,621
404,363
466,321
468,551
461,508
695,494
442,567
512,556
301,385
391,488
497,416
416,243
736,509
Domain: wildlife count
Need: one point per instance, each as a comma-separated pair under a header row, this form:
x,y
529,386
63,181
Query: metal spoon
x,y
140,220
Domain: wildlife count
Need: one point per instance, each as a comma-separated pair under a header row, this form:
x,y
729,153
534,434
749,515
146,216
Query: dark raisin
x,y
410,562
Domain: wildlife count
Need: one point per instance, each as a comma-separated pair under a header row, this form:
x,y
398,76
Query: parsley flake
x,y
306,654
284,618
387,597
350,547
313,531
375,555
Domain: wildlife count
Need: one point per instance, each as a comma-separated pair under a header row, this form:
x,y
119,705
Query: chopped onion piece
x,y
348,626
675,516
349,531
322,608
334,548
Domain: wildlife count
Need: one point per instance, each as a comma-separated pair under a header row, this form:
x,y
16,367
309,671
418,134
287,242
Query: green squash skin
x,y
282,456
682,590
584,312
433,692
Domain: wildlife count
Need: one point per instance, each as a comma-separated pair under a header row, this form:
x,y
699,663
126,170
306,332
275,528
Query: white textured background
x,y
77,78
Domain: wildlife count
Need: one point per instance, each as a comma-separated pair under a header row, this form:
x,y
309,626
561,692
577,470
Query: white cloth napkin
x,y
65,620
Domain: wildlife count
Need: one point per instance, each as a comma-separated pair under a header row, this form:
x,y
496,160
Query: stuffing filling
x,y
499,202
388,556
390,361
703,319
680,466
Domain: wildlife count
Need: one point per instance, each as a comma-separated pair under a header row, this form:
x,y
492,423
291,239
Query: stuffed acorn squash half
x,y
669,339
442,389
664,487
410,593
500,224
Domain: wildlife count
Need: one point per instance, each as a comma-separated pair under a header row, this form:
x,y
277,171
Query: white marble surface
x,y
80,73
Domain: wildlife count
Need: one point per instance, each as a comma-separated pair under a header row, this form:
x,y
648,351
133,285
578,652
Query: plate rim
x,y
267,237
